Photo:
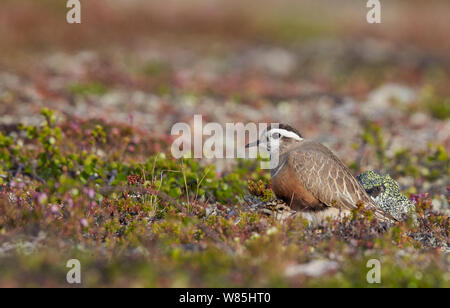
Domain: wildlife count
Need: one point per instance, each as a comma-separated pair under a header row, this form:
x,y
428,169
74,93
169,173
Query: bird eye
x,y
276,135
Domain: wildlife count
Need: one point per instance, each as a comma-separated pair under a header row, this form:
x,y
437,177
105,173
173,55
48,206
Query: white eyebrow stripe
x,y
286,133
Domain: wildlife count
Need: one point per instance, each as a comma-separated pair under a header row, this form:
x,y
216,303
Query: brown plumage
x,y
311,179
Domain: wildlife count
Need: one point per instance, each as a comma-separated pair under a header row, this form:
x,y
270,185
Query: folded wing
x,y
325,176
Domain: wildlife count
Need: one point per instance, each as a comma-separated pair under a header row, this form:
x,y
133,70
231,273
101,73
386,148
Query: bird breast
x,y
287,187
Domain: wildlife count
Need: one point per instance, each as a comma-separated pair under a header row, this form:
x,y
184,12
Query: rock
x,y
386,193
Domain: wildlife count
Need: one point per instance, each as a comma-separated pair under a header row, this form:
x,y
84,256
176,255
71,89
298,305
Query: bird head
x,y
277,138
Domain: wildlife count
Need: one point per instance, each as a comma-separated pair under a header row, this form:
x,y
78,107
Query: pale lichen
x,y
386,193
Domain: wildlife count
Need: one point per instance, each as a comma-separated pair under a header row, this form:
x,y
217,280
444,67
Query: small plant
x,y
98,135
49,136
5,154
437,106
261,190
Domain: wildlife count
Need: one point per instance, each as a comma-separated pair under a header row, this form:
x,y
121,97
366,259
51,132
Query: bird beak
x,y
252,144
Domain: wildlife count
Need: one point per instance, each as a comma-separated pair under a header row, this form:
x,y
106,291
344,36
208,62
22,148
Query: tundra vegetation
x,y
85,166
100,193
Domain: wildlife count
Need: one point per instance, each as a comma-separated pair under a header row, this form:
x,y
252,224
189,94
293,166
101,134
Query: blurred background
x,y
376,94
317,65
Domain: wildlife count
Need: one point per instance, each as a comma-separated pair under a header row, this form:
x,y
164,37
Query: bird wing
x,y
327,178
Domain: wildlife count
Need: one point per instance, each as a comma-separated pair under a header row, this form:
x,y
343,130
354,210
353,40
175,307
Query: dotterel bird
x,y
311,179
